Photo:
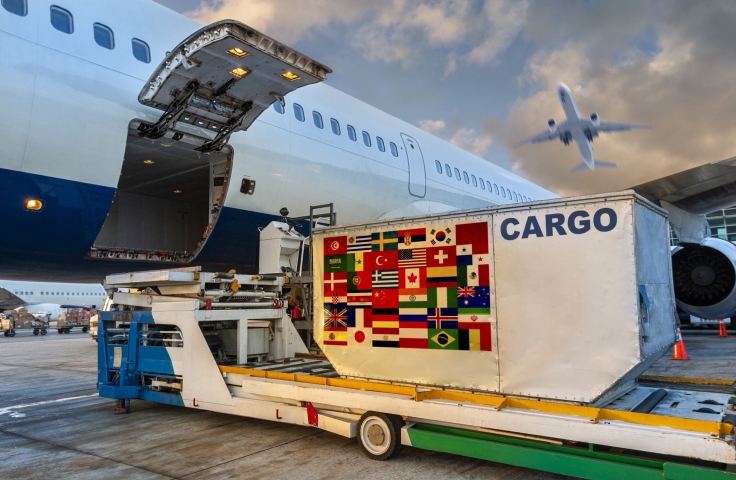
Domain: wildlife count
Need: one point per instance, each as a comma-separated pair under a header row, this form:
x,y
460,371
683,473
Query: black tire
x,y
43,332
6,333
61,330
66,330
12,334
35,331
84,329
379,435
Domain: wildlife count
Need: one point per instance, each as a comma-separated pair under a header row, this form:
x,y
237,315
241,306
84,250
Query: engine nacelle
x,y
552,125
704,278
595,119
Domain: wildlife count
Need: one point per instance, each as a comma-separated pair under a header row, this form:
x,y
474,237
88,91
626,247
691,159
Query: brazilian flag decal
x,y
443,339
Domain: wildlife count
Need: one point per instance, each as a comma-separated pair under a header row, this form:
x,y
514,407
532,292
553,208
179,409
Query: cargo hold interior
x,y
167,197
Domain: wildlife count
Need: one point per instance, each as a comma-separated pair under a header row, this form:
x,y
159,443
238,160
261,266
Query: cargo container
x,y
590,315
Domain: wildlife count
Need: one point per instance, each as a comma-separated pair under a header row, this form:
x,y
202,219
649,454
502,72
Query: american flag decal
x,y
413,258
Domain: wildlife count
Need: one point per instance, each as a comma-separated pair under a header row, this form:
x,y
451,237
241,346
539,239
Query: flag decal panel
x,y
423,287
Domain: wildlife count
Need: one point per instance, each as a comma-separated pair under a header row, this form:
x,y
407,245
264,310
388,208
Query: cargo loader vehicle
x,y
513,334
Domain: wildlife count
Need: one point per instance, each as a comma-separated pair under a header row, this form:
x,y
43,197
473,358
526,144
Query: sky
x,y
483,74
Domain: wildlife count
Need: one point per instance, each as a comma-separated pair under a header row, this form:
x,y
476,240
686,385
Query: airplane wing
x,y
609,127
545,136
698,191
9,301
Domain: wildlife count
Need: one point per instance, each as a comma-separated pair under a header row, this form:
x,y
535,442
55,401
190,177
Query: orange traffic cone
x,y
679,353
722,328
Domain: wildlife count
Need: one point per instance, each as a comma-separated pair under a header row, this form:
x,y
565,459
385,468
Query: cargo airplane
x,y
134,138
579,130
47,299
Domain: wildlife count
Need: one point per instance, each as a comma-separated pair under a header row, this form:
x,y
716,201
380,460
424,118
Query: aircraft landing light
x,y
239,72
34,205
177,191
290,76
149,161
237,52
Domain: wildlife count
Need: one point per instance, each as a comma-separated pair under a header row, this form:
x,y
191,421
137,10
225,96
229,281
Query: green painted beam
x,y
574,461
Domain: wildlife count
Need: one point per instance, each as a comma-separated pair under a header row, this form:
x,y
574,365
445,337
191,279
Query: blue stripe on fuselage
x,y
53,243
72,214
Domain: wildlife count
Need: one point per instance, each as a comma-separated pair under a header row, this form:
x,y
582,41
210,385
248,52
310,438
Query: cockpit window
x,y
16,7
62,20
104,36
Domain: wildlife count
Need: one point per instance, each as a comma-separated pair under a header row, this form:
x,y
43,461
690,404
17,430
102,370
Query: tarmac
x,y
53,424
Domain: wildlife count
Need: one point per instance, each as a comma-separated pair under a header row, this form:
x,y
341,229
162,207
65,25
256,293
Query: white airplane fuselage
x,y
50,298
65,123
572,115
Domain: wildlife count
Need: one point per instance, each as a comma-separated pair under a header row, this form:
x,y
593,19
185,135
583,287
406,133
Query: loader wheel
x,y
43,332
380,435
35,331
84,329
6,333
61,330
66,330
12,333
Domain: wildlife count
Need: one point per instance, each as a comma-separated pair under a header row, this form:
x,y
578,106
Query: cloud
x,y
456,133
682,87
385,30
472,141
504,21
287,20
432,126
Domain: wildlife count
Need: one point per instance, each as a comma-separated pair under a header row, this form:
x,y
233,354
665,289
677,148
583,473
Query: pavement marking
x,y
11,410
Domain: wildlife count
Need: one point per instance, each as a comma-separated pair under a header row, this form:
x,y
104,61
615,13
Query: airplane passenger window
x,y
351,133
298,112
457,174
438,165
508,192
394,150
317,119
475,182
516,197
482,183
448,171
141,52
278,107
104,36
495,187
62,20
17,7
381,145
366,138
503,192
335,126
465,176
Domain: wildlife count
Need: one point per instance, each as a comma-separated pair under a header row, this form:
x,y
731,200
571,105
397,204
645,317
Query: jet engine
x,y
704,277
595,119
552,126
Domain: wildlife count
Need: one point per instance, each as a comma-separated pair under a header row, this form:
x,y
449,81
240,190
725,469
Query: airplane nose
x,y
562,87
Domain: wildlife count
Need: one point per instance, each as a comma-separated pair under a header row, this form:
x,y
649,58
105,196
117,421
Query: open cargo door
x,y
221,78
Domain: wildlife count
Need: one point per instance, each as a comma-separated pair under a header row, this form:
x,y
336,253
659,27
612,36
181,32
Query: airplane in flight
x,y
48,299
136,139
582,131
